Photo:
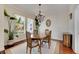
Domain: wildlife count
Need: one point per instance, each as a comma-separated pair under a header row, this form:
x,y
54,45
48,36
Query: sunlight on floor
x,y
21,49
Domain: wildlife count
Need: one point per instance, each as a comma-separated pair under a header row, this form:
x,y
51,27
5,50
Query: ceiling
x,y
47,9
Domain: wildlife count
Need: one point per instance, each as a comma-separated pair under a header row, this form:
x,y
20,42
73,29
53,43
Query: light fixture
x,y
40,17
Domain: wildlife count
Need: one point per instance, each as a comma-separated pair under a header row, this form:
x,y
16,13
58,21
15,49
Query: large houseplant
x,y
9,24
37,23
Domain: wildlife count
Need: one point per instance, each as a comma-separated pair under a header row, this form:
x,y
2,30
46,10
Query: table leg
x,y
40,46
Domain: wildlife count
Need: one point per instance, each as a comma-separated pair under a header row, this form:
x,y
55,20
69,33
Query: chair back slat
x,y
28,38
48,36
46,31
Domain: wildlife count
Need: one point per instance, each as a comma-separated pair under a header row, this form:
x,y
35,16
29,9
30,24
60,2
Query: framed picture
x,y
48,23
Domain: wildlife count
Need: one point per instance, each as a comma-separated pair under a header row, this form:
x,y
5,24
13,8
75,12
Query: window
x,y
19,28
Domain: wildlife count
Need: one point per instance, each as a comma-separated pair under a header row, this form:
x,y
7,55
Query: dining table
x,y
38,37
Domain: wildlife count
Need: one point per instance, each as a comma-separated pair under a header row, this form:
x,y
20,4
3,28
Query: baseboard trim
x,y
76,52
14,44
2,52
57,40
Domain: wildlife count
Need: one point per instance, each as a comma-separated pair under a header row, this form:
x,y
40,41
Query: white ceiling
x,y
47,9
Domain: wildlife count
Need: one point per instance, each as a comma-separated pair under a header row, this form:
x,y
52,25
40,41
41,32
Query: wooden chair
x,y
46,31
35,32
30,42
47,39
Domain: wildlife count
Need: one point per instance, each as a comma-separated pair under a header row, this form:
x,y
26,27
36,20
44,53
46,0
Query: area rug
x,y
21,49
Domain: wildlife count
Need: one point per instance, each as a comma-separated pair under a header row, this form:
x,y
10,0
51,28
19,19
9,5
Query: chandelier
x,y
40,17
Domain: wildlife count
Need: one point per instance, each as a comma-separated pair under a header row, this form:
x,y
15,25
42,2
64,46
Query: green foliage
x,y
6,14
11,36
5,30
17,36
37,22
19,20
12,18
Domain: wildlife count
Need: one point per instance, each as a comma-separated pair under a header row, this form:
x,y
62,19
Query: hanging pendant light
x,y
40,17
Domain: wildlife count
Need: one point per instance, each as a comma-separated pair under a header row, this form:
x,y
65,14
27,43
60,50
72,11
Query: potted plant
x,y
37,23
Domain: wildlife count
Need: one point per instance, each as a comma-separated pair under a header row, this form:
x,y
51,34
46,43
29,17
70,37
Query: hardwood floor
x,y
65,50
62,48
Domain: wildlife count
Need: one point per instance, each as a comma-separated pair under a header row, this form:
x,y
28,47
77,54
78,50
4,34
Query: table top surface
x,y
41,36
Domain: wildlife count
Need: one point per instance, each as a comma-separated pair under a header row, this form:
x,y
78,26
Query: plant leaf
x,y
5,30
6,14
10,35
12,18
19,20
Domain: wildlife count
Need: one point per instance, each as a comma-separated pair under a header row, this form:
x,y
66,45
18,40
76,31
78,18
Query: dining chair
x,y
47,39
35,32
30,43
46,31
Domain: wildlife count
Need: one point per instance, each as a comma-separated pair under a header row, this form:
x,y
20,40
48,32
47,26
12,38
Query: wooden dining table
x,y
38,37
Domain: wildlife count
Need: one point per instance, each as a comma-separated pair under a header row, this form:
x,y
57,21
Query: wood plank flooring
x,y
62,48
65,50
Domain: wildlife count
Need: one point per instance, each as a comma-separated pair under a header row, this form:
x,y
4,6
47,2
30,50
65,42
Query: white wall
x,y
76,20
59,25
6,27
1,29
71,25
